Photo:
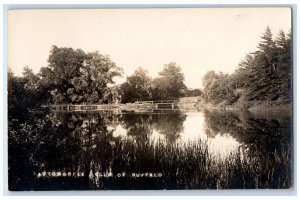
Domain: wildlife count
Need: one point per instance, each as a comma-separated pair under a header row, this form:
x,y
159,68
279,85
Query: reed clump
x,y
191,166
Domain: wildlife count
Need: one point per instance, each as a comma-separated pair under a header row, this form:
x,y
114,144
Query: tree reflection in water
x,y
168,125
86,149
266,141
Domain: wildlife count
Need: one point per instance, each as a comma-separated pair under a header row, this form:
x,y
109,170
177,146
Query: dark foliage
x,y
264,75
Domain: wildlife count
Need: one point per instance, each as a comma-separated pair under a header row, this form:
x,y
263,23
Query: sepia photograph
x,y
150,99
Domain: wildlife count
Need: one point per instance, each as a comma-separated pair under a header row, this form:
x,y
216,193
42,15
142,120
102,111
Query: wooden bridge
x,y
138,105
160,104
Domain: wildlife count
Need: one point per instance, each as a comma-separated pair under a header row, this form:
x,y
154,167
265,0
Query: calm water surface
x,y
150,150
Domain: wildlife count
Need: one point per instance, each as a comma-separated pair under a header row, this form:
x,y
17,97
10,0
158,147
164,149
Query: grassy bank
x,y
253,106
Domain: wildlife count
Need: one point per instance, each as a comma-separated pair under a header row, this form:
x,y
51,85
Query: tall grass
x,y
191,166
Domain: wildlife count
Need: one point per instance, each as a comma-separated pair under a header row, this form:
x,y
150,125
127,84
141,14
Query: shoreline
x,y
257,106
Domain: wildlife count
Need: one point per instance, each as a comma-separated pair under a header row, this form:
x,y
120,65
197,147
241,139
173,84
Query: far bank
x,y
253,106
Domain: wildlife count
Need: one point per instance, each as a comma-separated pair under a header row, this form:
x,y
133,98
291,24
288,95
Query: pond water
x,y
150,150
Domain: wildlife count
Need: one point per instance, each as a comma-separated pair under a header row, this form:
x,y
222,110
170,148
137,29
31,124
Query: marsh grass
x,y
191,166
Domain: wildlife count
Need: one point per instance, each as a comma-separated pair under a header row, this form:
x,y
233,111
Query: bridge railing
x,y
159,101
138,105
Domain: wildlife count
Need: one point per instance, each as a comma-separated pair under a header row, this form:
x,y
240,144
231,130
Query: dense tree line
x,y
168,85
73,76
263,75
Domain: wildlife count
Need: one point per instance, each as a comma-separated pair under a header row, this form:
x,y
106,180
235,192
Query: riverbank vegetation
x,y
263,79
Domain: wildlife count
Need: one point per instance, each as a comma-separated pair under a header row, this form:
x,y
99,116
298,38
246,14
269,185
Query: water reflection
x,y
180,128
164,126
189,150
262,132
266,140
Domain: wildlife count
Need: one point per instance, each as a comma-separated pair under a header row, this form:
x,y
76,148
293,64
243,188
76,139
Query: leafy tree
x,y
137,86
24,93
209,83
96,75
74,76
193,92
170,83
16,99
218,87
64,66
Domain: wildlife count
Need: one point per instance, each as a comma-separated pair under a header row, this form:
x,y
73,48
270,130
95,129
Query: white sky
x,y
197,39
